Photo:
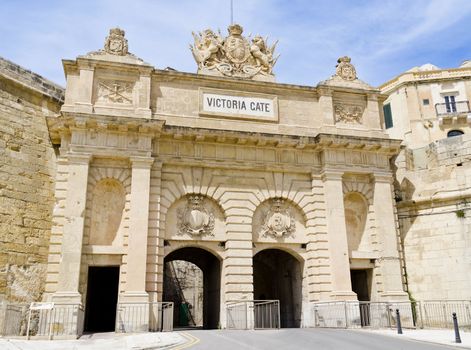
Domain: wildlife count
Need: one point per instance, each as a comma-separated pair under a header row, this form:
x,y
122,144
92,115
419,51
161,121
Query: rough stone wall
x,y
27,163
434,192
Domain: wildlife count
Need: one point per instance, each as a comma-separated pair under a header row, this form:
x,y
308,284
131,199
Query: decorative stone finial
x,y
345,69
116,43
235,55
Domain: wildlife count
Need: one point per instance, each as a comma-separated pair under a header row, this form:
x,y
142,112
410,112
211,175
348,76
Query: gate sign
x,y
237,104
41,306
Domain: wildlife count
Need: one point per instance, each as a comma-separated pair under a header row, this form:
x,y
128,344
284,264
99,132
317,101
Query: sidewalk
x,y
437,336
99,341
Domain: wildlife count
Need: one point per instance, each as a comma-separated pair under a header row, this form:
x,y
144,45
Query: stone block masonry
x,y
27,169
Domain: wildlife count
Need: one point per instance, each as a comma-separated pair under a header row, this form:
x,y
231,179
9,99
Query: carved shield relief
x,y
237,49
195,219
279,220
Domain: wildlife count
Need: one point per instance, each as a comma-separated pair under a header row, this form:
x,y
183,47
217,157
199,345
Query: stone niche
x,y
356,213
195,217
109,198
278,220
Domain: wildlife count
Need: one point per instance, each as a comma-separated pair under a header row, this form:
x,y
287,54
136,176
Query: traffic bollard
x,y
457,330
398,321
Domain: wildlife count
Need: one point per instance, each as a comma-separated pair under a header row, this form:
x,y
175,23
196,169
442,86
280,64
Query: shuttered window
x,y
388,121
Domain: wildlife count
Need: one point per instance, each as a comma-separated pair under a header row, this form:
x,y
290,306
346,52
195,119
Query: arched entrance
x,y
210,266
277,276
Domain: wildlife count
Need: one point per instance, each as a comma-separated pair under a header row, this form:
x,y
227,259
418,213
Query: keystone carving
x,y
195,219
235,55
279,221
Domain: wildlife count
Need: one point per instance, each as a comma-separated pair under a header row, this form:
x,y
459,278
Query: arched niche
x,y
278,220
195,217
108,201
356,214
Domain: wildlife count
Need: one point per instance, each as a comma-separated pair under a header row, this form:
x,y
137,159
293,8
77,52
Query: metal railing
x,y
253,314
357,314
458,107
237,315
144,317
437,313
63,320
266,314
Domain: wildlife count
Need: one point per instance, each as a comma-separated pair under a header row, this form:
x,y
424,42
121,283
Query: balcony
x,y
453,112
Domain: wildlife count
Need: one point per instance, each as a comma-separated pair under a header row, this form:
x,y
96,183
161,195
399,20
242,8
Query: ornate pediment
x,y
346,76
234,55
195,219
115,49
279,221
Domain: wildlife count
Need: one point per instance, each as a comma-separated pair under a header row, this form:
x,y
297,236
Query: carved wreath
x,y
195,219
279,221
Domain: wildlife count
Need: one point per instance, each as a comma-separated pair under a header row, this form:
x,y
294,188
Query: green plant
x,y
459,213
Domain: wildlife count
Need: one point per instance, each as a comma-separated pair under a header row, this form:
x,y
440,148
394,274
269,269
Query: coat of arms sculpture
x,y
345,69
195,219
279,221
235,55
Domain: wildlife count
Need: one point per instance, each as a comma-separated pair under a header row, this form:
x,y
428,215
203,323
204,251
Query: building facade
x,y
274,191
429,108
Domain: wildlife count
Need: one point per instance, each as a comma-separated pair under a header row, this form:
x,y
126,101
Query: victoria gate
x,y
173,207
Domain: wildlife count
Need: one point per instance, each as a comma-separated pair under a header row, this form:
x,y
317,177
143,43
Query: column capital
x,y
324,91
141,162
385,177
332,174
79,158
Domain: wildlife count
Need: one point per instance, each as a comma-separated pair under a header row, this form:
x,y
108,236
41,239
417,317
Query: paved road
x,y
304,338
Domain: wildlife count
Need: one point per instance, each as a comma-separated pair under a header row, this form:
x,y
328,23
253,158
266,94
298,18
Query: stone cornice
x,y
69,121
319,141
204,80
425,77
30,80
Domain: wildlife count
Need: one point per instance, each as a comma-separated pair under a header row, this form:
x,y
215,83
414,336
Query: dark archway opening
x,y
277,276
173,289
102,297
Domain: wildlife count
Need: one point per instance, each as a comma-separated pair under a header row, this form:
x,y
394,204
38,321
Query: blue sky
x,y
384,38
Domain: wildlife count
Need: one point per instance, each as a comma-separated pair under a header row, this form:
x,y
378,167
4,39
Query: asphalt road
x,y
300,339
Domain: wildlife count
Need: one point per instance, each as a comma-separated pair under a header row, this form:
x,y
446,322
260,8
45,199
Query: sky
x,y
384,38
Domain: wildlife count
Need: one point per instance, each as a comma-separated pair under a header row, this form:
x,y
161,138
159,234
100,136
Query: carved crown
x,y
344,59
117,31
195,199
235,29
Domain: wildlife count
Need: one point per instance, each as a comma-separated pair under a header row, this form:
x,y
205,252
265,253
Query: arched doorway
x,y
277,276
210,267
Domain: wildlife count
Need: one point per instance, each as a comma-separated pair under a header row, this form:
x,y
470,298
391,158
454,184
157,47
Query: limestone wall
x,y
435,220
27,163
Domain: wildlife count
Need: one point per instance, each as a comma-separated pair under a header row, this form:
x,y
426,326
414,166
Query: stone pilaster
x,y
389,263
84,98
155,241
318,267
74,215
337,233
326,106
135,286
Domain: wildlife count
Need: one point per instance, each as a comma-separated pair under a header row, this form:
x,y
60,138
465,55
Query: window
x,y
425,101
388,122
453,133
450,104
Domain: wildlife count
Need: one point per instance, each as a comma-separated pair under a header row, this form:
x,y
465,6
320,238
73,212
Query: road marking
x,y
192,340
